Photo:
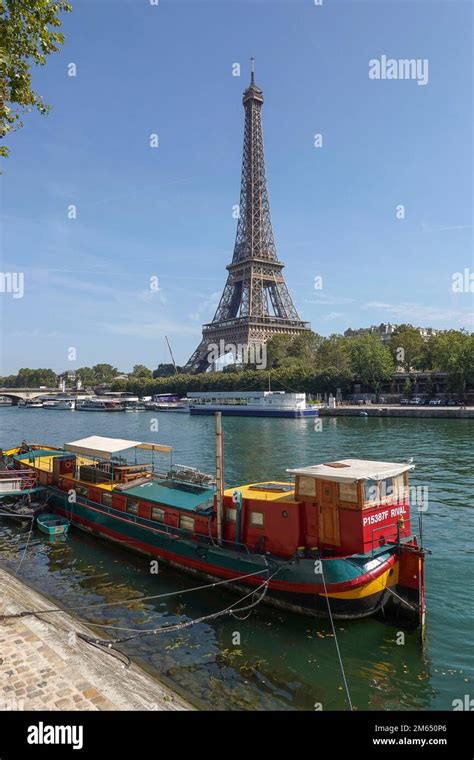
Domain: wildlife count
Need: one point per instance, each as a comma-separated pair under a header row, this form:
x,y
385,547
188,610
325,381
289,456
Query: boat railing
x,y
386,528
175,532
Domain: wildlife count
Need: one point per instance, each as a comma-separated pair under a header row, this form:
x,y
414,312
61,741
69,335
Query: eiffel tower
x,y
256,303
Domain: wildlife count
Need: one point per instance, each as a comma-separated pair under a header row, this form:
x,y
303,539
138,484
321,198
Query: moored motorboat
x,y
337,539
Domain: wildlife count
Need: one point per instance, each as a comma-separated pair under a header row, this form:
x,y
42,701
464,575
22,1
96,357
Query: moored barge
x,y
335,541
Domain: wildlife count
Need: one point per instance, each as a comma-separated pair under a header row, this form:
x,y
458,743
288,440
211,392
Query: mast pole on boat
x,y
219,475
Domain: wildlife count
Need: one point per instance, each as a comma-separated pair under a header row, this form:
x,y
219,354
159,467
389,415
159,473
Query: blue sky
x,y
167,212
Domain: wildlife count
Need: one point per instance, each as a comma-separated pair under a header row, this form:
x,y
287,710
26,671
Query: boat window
x,y
82,491
231,514
107,499
386,487
370,490
348,492
392,488
132,507
256,519
306,486
158,514
186,523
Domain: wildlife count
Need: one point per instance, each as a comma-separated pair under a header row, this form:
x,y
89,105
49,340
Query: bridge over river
x,y
17,394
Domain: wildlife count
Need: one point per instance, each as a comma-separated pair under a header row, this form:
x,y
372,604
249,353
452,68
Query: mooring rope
x,y
341,665
27,613
229,610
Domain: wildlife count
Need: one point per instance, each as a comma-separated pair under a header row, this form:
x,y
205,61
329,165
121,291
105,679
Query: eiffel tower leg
x,y
199,361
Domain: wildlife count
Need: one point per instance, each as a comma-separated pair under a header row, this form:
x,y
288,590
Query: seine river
x,y
283,661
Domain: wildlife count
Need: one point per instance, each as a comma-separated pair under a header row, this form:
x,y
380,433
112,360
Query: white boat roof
x,y
99,446
352,470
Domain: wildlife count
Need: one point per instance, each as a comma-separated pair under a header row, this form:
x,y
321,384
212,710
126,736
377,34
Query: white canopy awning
x,y
352,470
99,446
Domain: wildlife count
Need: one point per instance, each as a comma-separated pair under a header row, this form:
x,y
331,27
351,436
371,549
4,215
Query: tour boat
x,y
62,404
100,405
251,404
335,539
30,404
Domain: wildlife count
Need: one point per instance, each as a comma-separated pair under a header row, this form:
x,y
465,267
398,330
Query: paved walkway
x,y
45,666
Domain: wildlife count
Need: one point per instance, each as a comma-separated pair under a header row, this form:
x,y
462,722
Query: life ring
x,y
67,464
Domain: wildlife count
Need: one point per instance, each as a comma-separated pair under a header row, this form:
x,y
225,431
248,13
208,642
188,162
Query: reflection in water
x,y
272,660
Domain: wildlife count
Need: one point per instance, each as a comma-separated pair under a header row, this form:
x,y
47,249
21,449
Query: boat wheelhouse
x,y
251,403
337,540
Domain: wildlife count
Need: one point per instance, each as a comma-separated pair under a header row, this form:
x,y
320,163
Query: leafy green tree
x,y
454,353
371,362
406,346
140,371
429,387
333,352
86,375
407,391
277,350
104,373
165,370
28,34
33,378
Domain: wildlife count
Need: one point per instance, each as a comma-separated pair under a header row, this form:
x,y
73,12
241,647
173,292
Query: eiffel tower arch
x,y
255,303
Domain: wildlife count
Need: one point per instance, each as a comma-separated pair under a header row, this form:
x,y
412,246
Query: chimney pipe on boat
x,y
219,475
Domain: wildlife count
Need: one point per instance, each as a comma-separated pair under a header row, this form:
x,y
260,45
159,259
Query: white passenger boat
x,y
252,404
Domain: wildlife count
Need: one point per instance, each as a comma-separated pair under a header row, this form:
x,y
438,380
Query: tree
x,y
333,352
140,371
33,378
371,362
407,391
165,370
406,346
28,34
454,353
86,375
277,350
104,373
429,387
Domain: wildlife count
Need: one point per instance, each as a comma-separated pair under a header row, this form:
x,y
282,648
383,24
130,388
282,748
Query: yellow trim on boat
x,y
372,587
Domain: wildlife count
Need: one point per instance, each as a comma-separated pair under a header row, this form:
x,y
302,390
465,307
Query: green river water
x,y
283,661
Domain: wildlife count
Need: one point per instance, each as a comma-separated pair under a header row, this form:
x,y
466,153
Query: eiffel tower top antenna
x,y
252,71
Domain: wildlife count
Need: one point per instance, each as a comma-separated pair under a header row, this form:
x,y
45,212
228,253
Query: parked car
x,y
416,401
404,401
453,402
435,402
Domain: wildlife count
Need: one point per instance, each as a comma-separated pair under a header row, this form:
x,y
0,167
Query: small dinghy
x,y
52,525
